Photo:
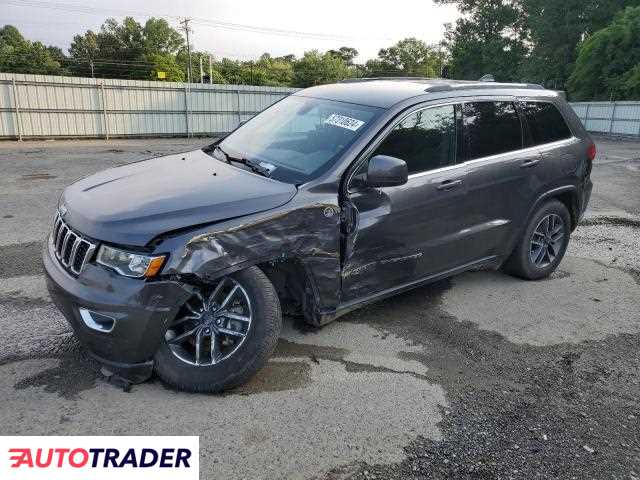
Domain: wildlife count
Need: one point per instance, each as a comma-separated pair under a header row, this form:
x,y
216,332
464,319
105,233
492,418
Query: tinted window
x,y
425,139
546,124
491,128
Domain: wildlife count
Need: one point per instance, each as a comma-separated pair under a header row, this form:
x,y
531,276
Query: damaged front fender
x,y
307,233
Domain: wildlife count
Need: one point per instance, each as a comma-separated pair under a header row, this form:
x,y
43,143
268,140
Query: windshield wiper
x,y
253,166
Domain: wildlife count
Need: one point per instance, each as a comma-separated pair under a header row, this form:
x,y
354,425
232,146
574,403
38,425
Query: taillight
x,y
592,152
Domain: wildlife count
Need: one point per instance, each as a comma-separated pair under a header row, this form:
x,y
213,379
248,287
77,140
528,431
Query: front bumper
x,y
140,310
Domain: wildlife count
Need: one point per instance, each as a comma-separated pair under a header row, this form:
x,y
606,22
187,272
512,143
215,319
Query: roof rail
x,y
445,85
372,79
462,85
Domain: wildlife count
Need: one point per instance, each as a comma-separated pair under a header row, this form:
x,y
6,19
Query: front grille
x,y
72,250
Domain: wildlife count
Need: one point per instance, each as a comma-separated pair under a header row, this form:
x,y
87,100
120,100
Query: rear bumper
x,y
137,313
586,196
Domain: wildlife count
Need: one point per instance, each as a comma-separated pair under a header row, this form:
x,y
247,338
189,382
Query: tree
x,y
348,54
411,57
174,72
488,39
160,38
128,49
18,55
278,71
555,29
532,40
608,64
316,68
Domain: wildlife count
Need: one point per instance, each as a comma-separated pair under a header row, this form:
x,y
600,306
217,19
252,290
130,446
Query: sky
x,y
366,25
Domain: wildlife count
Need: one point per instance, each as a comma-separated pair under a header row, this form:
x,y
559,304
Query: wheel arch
x,y
567,195
293,278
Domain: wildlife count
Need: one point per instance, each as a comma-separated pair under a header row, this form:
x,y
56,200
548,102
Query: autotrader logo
x,y
71,458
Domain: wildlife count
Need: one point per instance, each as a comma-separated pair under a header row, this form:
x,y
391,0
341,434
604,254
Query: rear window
x,y
491,128
545,122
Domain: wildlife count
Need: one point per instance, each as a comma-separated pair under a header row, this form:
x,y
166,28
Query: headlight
x,y
129,264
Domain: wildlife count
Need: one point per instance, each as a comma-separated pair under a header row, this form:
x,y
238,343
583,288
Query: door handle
x,y
449,184
530,163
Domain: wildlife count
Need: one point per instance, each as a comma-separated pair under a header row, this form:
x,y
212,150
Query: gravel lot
x,y
480,376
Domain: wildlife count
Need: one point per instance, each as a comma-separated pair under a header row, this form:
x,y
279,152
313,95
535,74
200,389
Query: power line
x,y
207,22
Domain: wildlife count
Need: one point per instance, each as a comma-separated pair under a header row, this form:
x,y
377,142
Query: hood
x,y
132,204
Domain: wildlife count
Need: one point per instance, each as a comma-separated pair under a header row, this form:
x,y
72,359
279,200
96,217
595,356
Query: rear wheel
x,y
222,335
543,244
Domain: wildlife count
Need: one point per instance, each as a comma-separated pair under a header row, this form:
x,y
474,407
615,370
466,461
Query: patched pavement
x,y
479,376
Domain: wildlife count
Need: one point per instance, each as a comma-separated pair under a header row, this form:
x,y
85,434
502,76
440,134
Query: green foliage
x,y
166,63
408,57
608,64
18,55
569,43
556,28
531,40
128,50
316,68
488,39
347,54
160,38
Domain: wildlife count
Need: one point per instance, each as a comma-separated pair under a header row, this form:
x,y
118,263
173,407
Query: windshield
x,y
299,138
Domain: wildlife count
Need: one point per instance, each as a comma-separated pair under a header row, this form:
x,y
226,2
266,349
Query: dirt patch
x,y
515,411
72,374
277,377
38,176
611,221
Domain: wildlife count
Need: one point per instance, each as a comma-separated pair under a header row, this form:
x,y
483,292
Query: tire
x,y
247,358
520,263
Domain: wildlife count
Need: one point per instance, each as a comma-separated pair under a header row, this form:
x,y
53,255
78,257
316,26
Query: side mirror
x,y
385,171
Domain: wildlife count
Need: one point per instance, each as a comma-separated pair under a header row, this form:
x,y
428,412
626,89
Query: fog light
x,y
97,321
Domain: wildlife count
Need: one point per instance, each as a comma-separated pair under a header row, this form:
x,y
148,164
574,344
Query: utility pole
x,y
185,27
187,90
210,71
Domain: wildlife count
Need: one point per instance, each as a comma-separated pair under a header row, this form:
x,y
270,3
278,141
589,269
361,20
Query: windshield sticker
x,y
341,121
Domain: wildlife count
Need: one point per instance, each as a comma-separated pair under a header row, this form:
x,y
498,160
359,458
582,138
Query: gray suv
x,y
334,197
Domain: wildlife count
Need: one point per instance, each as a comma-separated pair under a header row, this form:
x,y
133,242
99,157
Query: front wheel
x,y
543,244
222,335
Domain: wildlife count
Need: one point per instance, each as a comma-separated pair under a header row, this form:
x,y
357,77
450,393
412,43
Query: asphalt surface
x,y
480,376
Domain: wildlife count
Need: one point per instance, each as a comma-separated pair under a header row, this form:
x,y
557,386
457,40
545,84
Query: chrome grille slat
x,y
61,234
86,258
74,250
67,246
63,250
56,228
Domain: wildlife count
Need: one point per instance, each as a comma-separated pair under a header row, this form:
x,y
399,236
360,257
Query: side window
x,y
546,124
425,139
491,128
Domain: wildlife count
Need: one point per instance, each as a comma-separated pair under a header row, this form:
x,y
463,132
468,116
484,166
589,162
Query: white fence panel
x,y
615,118
45,106
41,106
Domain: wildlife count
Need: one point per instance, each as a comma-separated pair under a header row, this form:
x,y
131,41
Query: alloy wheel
x,y
212,325
547,241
